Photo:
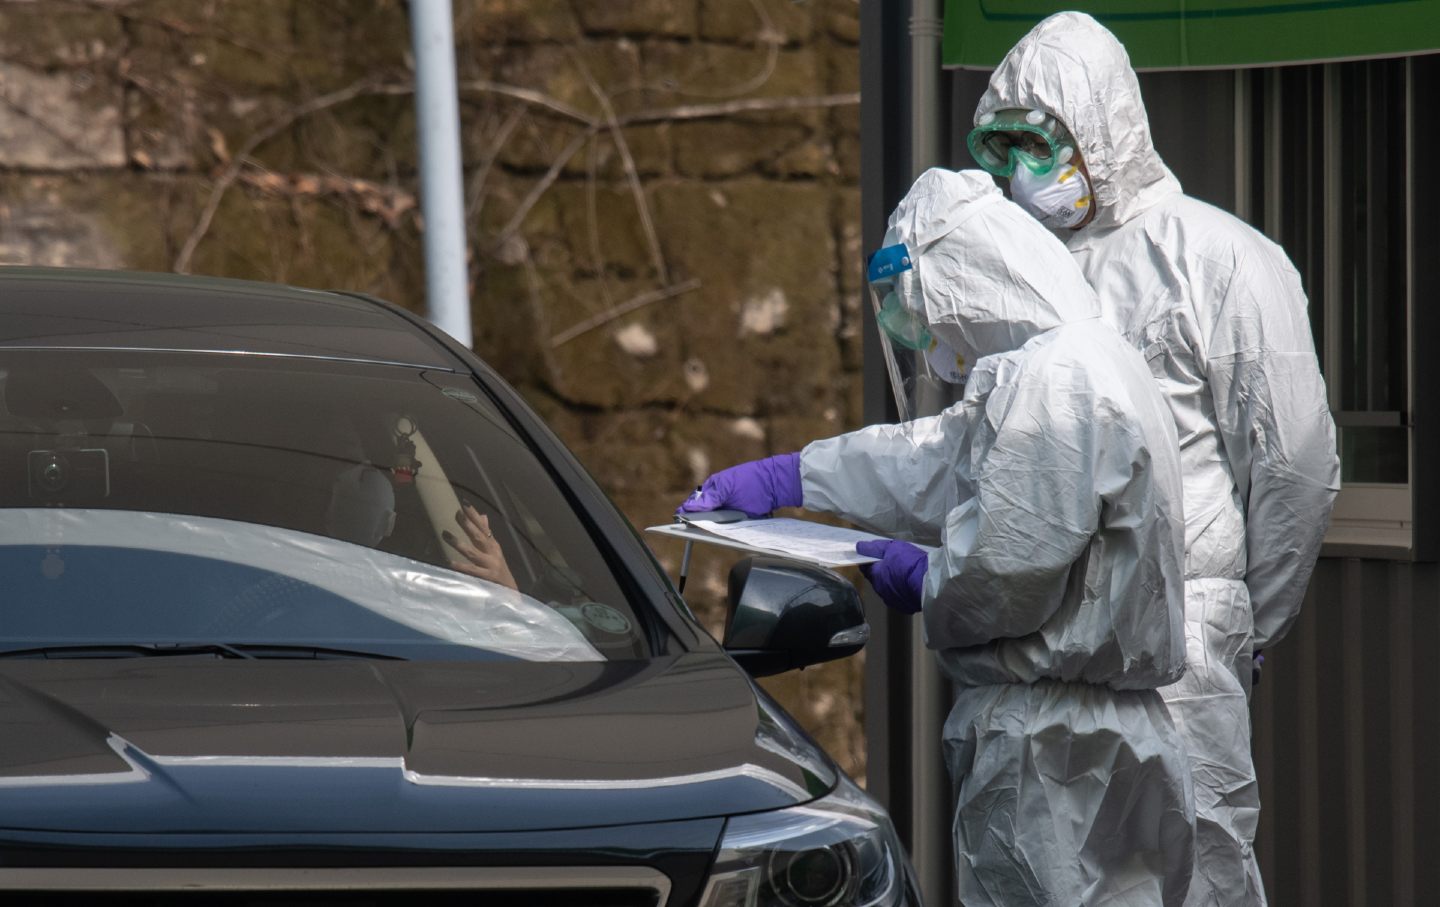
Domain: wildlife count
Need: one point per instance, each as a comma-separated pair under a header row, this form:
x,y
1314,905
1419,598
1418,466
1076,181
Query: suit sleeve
x,y
897,480
1008,551
1272,412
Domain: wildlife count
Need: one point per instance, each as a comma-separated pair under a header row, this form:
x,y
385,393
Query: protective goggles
x,y
900,323
1004,139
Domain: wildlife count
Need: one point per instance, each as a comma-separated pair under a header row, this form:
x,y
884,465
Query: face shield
x,y
1005,139
925,373
897,308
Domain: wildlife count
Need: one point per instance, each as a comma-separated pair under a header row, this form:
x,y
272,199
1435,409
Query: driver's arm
x,y
480,552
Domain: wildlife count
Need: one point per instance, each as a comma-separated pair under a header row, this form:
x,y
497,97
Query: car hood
x,y
194,745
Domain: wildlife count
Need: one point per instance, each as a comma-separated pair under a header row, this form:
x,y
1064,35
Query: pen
x,y
685,558
684,566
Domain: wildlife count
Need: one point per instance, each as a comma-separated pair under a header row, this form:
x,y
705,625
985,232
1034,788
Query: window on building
x,y
1324,168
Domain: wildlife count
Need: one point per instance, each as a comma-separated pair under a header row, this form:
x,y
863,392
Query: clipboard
x,y
691,533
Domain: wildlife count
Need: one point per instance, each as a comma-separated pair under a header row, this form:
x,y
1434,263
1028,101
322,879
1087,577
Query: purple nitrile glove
x,y
757,487
1256,664
899,575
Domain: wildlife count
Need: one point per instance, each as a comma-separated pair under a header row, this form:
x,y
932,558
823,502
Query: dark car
x,y
299,601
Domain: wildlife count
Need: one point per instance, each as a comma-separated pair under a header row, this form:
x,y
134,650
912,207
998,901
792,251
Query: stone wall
x,y
662,199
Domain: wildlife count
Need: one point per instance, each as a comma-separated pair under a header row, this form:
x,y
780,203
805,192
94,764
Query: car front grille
x,y
589,886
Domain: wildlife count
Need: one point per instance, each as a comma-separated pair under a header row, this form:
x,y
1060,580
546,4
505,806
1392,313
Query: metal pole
x,y
437,115
926,31
929,692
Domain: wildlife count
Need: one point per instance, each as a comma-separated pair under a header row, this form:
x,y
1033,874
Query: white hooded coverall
x,y
1219,314
1055,596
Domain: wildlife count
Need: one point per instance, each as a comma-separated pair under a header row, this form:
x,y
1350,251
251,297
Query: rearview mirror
x,y
783,615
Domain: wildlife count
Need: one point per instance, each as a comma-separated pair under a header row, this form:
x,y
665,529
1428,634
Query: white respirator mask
x,y
949,366
1059,198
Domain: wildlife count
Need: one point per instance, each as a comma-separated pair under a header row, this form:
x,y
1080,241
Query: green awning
x,y
1183,34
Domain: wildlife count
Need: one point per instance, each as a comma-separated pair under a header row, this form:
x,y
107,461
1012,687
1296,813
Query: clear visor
x,y
899,323
1005,139
905,339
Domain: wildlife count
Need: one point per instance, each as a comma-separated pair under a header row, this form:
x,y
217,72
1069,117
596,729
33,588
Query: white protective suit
x,y
1219,314
1055,597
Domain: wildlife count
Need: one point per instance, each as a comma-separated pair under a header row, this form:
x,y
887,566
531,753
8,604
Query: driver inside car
x,y
362,511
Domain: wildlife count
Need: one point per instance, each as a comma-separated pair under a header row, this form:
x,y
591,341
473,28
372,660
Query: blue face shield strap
x,y
899,323
888,263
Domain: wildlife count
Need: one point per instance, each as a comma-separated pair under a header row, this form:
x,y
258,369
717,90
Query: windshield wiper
x,y
126,650
247,650
284,650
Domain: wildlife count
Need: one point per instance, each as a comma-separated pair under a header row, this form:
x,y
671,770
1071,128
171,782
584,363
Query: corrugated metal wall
x,y
1347,741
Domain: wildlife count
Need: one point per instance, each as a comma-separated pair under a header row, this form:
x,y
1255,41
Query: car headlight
x,y
838,850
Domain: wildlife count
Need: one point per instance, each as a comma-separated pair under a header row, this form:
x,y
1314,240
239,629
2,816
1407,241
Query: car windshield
x,y
158,499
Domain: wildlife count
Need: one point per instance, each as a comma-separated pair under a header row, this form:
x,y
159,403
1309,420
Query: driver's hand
x,y
481,553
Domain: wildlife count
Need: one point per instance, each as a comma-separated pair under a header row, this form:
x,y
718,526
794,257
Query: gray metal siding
x,y
1347,741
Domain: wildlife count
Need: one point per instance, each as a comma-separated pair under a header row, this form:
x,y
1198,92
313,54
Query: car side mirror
x,y
783,615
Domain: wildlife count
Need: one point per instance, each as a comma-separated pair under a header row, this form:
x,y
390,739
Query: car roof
x,y
57,308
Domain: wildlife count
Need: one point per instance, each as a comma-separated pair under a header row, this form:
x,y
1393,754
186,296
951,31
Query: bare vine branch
x,y
613,123
45,125
621,310
388,203
746,105
767,35
545,182
592,223
238,162
502,135
632,174
529,96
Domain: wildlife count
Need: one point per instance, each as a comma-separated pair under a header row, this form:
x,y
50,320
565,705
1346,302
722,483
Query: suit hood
x,y
1071,66
990,276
